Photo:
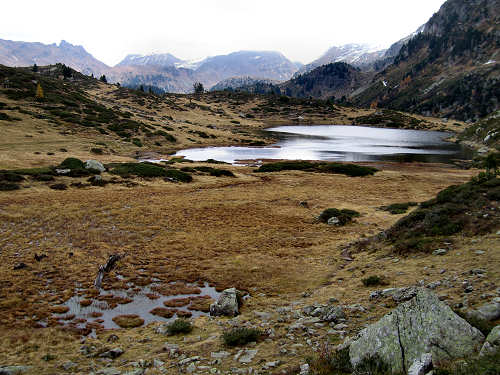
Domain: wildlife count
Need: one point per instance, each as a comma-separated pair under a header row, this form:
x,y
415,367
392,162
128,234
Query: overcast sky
x,y
189,29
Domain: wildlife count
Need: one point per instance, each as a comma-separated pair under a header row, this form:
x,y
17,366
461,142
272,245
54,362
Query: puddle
x,y
102,309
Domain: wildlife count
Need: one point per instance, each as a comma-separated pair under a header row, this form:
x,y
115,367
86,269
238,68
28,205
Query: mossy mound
x,y
72,163
352,170
344,216
128,321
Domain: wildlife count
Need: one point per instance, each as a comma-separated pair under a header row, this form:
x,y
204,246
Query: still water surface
x,y
341,143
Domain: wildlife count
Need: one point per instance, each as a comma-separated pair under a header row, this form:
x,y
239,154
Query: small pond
x,y
341,143
138,300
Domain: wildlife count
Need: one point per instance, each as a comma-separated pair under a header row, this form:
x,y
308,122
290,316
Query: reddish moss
x,y
177,302
163,312
128,321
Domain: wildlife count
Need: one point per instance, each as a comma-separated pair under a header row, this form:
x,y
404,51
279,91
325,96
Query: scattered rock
x,y
333,221
440,252
62,171
94,165
246,355
69,365
220,355
421,325
20,266
226,305
14,370
113,353
492,344
109,371
489,311
421,365
304,369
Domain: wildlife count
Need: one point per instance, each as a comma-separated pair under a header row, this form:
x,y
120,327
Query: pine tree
x,y
103,79
34,68
39,92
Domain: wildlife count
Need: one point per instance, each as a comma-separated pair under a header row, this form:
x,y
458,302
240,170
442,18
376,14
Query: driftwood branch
x,y
104,269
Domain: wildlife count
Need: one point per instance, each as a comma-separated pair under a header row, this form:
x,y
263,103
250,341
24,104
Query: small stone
x,y
69,365
191,368
333,221
14,370
113,353
440,252
479,252
304,369
246,355
220,355
422,365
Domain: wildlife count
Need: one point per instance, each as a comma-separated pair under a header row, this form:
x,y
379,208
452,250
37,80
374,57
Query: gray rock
x,y
440,252
63,171
226,305
94,165
490,311
246,355
14,370
191,368
109,371
69,365
220,355
421,365
304,369
333,221
139,371
492,344
421,325
113,353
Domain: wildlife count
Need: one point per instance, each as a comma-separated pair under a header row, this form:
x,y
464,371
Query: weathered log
x,y
105,269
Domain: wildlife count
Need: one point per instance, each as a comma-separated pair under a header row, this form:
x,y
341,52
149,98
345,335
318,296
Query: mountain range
x,y
448,67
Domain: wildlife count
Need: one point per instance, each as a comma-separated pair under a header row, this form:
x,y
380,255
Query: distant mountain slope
x,y
358,55
337,79
174,75
450,69
162,60
25,54
238,82
258,64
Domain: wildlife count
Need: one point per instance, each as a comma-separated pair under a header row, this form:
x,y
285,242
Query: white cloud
x,y
302,30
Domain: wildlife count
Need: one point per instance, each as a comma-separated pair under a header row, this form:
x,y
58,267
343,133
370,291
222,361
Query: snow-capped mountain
x,y
358,55
160,59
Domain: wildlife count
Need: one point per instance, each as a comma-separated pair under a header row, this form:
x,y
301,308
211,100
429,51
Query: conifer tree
x,y
39,92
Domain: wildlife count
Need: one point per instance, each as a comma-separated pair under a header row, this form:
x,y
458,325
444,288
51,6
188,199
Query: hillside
x,y
358,55
26,54
450,69
332,80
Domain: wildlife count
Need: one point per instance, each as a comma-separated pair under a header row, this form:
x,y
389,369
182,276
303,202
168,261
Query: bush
x,y
97,151
351,170
138,169
241,336
179,326
178,175
8,186
398,208
329,362
34,171
373,280
72,163
10,177
345,215
137,142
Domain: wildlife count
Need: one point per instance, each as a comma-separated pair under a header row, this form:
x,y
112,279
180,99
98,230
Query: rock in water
x,y
94,165
226,305
421,325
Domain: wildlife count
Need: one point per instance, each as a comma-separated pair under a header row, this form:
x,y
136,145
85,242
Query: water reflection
x,y
341,143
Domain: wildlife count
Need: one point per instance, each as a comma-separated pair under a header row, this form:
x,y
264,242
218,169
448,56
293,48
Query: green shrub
x,y
97,151
398,208
221,172
34,171
373,280
10,177
8,186
351,170
241,336
72,163
179,326
345,215
138,169
137,142
178,175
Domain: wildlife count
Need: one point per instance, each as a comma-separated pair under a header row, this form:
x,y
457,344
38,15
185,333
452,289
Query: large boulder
x,y
94,165
227,304
492,344
421,325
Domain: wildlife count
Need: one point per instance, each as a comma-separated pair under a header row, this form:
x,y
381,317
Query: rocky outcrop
x,y
94,165
421,325
226,305
492,344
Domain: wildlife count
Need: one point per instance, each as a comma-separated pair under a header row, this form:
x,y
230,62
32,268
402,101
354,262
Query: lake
x,y
341,143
